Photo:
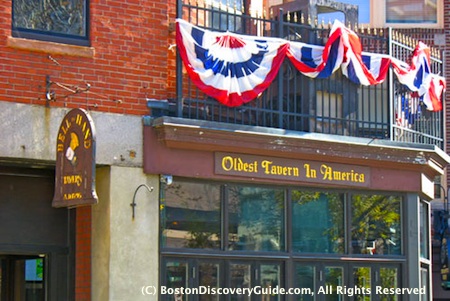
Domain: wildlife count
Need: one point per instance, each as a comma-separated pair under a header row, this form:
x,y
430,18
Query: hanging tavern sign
x,y
75,161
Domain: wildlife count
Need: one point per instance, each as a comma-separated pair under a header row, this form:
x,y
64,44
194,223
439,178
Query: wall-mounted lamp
x,y
133,204
166,179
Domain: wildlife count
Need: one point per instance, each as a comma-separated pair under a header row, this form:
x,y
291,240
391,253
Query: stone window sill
x,y
50,47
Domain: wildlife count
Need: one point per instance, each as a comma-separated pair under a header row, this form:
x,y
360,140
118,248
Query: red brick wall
x,y
130,42
83,254
128,61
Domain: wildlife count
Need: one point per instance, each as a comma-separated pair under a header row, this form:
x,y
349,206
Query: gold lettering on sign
x,y
236,164
72,196
291,169
73,179
75,161
330,174
309,172
279,170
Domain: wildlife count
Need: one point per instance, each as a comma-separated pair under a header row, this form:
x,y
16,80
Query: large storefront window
x,y
256,219
235,235
253,219
375,226
191,216
317,222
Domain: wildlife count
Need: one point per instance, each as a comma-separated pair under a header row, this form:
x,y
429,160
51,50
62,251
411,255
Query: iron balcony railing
x,y
295,102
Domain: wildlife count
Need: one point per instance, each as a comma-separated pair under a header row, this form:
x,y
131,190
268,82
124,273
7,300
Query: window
x,y
392,13
424,230
210,280
190,216
238,218
411,11
62,21
317,222
424,282
23,276
193,217
226,15
424,249
407,13
256,219
376,224
241,236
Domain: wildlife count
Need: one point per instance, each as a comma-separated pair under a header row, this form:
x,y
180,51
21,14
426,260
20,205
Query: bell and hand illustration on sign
x,y
75,161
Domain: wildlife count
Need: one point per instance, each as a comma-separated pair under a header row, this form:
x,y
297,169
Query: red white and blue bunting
x,y
234,69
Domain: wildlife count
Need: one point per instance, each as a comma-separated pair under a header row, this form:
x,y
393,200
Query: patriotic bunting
x,y
419,78
232,68
235,69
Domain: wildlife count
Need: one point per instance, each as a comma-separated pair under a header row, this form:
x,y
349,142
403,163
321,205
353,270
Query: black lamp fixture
x,y
133,203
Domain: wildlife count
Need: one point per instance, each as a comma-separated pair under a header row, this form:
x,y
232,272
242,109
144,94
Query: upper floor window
x,y
394,13
407,13
226,15
62,21
411,11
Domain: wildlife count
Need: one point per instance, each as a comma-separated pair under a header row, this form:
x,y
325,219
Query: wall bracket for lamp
x,y
133,203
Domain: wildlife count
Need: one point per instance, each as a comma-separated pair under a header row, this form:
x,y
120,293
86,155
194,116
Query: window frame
x,y
378,17
48,36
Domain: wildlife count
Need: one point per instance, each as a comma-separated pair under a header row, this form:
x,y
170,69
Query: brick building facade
x,y
130,58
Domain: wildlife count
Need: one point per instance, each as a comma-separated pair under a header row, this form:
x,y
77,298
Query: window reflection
x,y
317,222
190,216
270,278
200,215
362,279
176,277
226,15
256,219
208,274
375,227
305,278
240,277
61,17
389,278
333,279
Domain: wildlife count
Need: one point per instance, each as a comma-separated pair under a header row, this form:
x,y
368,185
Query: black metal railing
x,y
295,102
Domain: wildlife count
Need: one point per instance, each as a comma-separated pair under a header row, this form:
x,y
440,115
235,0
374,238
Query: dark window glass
x,y
208,276
190,216
52,20
176,276
334,278
305,279
23,277
240,278
256,219
317,222
270,275
376,224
